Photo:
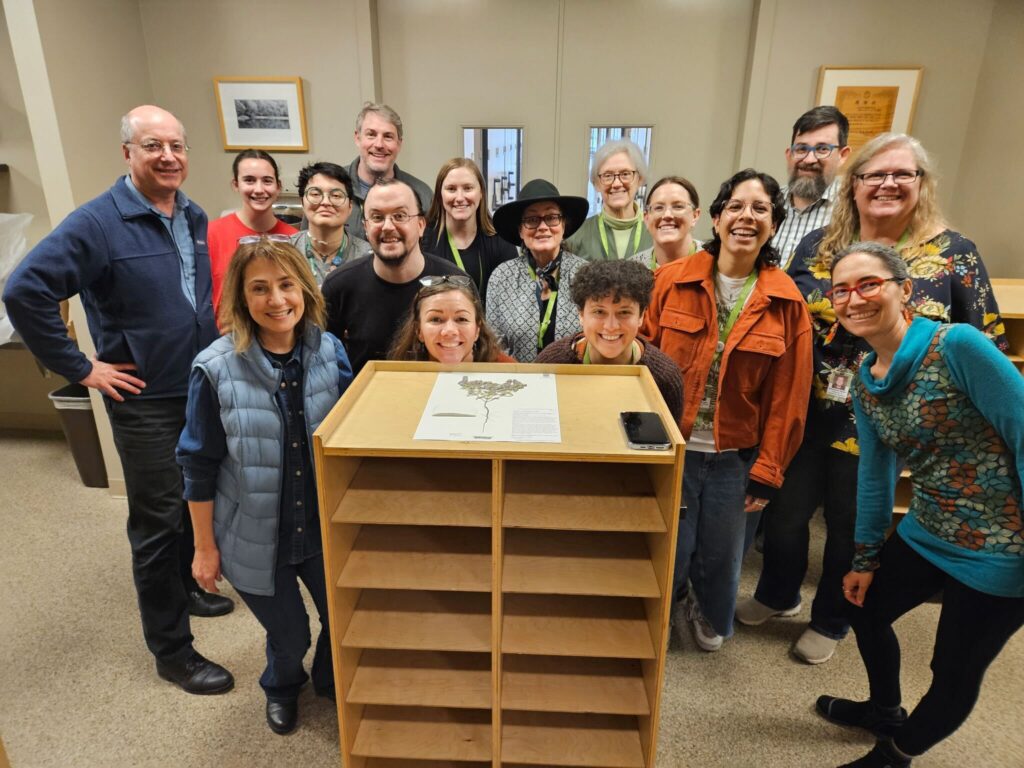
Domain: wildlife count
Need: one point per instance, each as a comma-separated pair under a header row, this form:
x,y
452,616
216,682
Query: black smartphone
x,y
645,431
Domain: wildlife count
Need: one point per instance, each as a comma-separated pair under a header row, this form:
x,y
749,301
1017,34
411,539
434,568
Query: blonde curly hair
x,y
844,229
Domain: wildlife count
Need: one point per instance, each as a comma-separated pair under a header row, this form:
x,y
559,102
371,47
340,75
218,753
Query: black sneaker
x,y
860,714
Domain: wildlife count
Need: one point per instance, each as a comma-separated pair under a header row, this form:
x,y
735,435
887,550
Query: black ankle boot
x,y
861,714
884,755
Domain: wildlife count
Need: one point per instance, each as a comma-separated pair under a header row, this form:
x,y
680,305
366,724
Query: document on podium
x,y
492,407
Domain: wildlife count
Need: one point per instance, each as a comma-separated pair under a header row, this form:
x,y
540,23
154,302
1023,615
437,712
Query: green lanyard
x,y
604,235
458,257
723,334
335,261
548,309
654,259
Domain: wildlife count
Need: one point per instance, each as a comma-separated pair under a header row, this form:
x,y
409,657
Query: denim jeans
x,y
711,535
818,475
284,616
159,527
973,628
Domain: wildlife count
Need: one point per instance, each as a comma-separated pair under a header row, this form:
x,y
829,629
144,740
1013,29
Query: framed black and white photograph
x,y
261,113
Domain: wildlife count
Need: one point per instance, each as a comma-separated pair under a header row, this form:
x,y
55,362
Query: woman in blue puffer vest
x,y
255,397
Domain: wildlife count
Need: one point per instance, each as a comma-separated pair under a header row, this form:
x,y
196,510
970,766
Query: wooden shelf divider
x,y
535,738
419,557
421,621
578,563
422,678
424,733
568,684
585,497
555,625
418,492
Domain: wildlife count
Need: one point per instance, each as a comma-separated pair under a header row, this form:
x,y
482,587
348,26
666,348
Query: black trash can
x,y
79,425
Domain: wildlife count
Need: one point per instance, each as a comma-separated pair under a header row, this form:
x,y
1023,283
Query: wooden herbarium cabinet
x,y
497,604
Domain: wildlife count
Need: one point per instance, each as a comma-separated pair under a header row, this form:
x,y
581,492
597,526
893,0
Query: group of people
x,y
827,332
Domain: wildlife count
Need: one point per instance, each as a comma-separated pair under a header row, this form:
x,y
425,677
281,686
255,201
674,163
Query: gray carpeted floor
x,y
77,687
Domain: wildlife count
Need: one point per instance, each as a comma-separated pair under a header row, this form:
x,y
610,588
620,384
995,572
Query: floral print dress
x,y
951,284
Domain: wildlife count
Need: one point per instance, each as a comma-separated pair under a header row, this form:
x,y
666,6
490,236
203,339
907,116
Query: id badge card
x,y
839,382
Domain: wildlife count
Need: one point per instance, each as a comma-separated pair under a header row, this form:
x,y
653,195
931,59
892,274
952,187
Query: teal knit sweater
x,y
952,407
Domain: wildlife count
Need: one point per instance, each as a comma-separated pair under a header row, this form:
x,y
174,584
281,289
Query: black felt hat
x,y
508,216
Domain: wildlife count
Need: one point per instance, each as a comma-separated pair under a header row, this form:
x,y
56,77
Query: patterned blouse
x,y
513,310
941,407
950,285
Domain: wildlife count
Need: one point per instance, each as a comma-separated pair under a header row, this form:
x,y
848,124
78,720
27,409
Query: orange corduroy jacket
x,y
765,375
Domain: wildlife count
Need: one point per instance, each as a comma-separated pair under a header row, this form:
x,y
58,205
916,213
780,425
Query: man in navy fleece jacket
x,y
137,255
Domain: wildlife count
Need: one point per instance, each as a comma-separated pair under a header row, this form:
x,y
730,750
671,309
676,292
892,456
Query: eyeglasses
x,y
866,289
758,208
821,151
335,197
250,239
157,147
429,281
609,177
677,209
551,219
398,218
877,178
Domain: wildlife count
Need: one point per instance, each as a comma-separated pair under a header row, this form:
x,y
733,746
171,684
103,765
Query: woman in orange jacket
x,y
738,329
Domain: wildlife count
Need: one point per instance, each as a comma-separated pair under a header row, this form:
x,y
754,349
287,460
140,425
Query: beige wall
x,y
557,68
314,39
93,86
948,39
682,71
21,190
989,201
449,63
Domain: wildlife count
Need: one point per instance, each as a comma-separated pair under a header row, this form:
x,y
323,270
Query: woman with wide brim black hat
x,y
529,299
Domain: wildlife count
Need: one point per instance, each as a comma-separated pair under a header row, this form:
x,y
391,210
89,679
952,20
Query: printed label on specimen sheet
x,y
492,407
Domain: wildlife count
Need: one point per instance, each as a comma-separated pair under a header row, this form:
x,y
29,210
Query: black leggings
x,y
973,628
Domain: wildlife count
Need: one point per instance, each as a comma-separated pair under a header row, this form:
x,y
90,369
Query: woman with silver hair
x,y
617,231
887,195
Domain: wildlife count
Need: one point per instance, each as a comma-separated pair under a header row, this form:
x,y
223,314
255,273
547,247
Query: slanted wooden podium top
x,y
379,413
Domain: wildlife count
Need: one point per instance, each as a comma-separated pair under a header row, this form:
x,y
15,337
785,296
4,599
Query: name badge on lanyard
x,y
839,382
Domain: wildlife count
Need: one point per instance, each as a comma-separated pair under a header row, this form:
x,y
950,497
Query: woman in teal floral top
x,y
888,194
935,396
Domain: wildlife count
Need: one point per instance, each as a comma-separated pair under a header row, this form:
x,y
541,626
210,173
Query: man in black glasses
x,y
816,151
367,299
138,257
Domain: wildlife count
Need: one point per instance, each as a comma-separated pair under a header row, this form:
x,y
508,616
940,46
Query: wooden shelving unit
x,y
497,604
1010,297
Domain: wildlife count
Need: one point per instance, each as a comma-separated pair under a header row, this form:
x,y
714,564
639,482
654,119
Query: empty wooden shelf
x,y
497,604
578,563
418,678
579,740
424,733
419,557
567,684
425,621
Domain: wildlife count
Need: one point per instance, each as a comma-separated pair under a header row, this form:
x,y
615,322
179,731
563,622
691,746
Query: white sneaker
x,y
753,612
814,648
703,632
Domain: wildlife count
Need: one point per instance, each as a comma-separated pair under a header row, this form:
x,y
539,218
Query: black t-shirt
x,y
481,257
364,311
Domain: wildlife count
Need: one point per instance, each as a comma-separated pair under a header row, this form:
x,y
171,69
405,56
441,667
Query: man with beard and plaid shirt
x,y
816,151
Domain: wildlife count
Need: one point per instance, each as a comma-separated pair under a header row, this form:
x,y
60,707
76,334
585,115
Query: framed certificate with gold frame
x,y
874,99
